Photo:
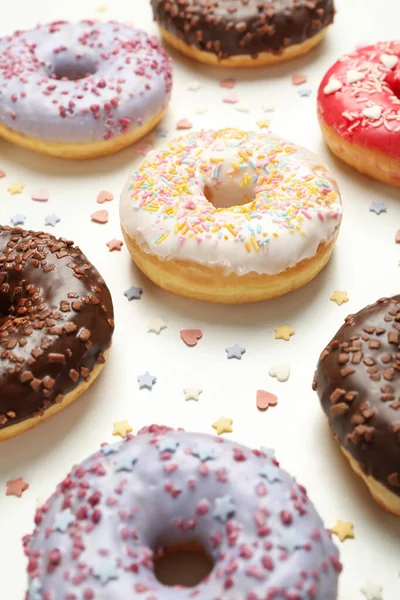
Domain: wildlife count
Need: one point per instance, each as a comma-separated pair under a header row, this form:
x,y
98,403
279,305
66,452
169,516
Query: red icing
x,y
380,87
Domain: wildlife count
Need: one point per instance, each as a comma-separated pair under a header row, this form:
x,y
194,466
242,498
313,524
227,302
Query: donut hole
x,y
72,68
228,194
184,565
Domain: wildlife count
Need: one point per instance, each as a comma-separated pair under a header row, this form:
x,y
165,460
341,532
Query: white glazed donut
x,y
230,216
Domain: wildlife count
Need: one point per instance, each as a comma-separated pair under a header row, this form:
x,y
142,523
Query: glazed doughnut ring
x,y
243,33
96,537
359,110
229,216
56,323
81,90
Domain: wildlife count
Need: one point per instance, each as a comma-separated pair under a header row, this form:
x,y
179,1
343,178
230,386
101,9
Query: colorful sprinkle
x,y
284,333
223,425
191,336
115,245
52,220
265,399
16,188
40,196
121,428
235,351
184,124
133,293
16,487
339,297
104,196
100,216
343,530
281,371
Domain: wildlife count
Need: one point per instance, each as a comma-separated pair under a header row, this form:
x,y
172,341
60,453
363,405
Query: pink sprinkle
x,y
104,196
100,216
40,195
299,79
230,98
184,124
143,147
397,237
227,83
2,174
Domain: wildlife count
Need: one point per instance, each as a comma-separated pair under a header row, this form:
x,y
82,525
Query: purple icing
x,y
95,537
81,82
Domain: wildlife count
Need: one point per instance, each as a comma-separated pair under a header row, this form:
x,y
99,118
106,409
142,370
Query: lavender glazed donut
x,y
95,538
81,90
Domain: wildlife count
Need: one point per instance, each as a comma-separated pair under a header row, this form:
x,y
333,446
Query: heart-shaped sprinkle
x,y
143,147
191,336
40,195
104,196
280,371
388,60
353,76
227,83
373,112
397,237
100,216
334,85
265,400
184,124
299,79
230,97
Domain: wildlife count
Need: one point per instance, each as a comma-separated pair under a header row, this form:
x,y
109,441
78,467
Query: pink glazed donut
x,y
81,90
359,110
96,537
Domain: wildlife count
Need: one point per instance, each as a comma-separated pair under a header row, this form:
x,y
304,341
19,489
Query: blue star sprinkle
x,y
35,589
63,520
269,452
290,542
271,473
204,453
224,508
377,207
235,351
304,92
109,449
52,220
133,293
125,462
146,381
167,444
17,219
105,570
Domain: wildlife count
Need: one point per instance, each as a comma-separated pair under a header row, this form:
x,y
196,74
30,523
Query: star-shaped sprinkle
x,y
269,452
125,462
204,453
290,541
224,508
109,449
283,333
105,570
16,487
114,245
121,428
18,219
192,393
223,425
146,381
35,589
372,591
339,297
16,188
52,220
271,473
63,520
304,92
343,530
156,325
133,293
194,86
167,444
377,207
263,123
235,351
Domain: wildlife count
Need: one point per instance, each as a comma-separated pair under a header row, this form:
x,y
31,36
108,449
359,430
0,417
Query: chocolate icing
x,y
232,27
357,380
56,321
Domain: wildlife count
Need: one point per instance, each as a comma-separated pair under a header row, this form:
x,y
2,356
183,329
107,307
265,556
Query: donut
x,y
358,385
98,536
81,90
243,33
56,323
230,216
359,110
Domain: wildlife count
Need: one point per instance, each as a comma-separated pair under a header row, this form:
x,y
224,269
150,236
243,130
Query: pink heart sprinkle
x,y
227,83
299,79
104,196
191,336
230,98
2,174
265,400
100,216
143,147
184,124
40,195
397,238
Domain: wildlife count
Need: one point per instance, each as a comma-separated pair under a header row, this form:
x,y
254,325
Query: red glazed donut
x,y
359,110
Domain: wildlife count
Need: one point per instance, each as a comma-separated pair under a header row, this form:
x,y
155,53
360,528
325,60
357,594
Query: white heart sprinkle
x,y
388,60
332,86
243,107
194,86
281,371
373,112
353,76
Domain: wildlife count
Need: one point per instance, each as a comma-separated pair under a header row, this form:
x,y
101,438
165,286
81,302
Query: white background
x,y
365,264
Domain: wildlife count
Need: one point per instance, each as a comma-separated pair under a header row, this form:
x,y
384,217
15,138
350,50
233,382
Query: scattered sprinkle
x,y
353,76
52,220
16,487
191,336
343,530
283,333
115,245
389,60
143,147
100,216
268,108
192,393
304,92
156,325
281,371
263,123
339,297
223,425
184,124
243,107
146,381
104,196
121,428
161,132
194,86
373,112
230,97
16,188
40,196
102,8
372,591
17,219
334,85
133,293
377,207
265,399
235,351
397,237
227,83
2,174
201,110
299,79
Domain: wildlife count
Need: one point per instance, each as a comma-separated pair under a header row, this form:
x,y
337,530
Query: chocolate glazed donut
x,y
358,383
229,28
56,323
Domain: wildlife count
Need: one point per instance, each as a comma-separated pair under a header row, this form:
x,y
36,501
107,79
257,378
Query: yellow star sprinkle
x,y
102,8
284,333
263,123
339,297
16,188
223,425
121,428
343,529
